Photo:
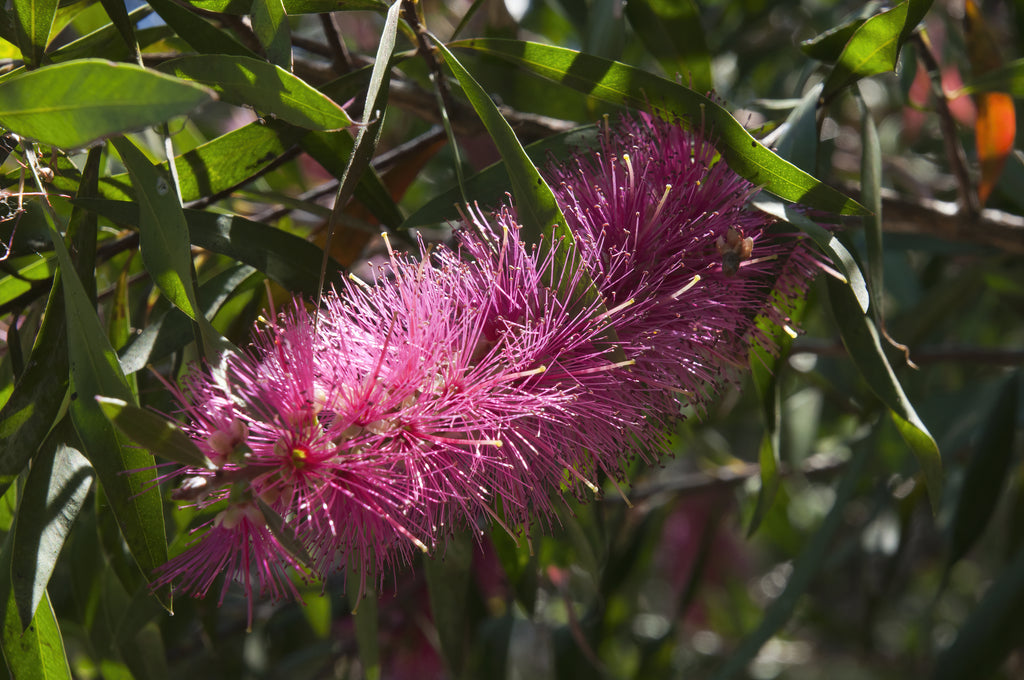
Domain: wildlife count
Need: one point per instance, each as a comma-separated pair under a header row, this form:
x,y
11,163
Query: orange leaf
x,y
994,133
996,126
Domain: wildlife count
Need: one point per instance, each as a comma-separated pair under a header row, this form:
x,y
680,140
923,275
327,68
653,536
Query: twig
x,y
342,59
954,150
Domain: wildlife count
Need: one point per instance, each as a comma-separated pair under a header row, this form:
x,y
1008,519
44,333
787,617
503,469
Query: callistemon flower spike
x,y
462,387
662,221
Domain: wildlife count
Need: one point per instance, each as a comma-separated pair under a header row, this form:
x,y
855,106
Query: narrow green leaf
x,y
77,103
1008,78
805,568
448,577
992,630
535,203
38,653
798,142
164,240
873,48
37,398
621,84
125,472
54,493
173,330
986,472
269,89
489,186
118,13
841,258
106,42
153,432
201,35
294,6
283,257
672,32
829,45
871,196
367,627
374,111
270,24
860,336
285,535
32,22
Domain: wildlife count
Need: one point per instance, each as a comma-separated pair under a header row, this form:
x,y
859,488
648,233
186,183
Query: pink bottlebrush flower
x,y
238,545
663,222
463,384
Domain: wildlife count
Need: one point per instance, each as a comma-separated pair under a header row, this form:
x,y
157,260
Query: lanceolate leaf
x,y
283,257
873,48
860,336
56,488
201,35
267,88
672,32
77,103
155,433
294,6
270,24
448,577
987,470
621,84
125,472
32,22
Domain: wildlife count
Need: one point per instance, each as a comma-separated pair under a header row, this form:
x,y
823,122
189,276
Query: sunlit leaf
x,y
153,432
267,88
32,22
621,84
270,24
77,103
54,493
873,48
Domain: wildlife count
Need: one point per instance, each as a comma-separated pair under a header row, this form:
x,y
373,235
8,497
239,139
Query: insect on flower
x,y
734,249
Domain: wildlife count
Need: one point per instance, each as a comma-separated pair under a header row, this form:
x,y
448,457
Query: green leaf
x,y
77,103
118,13
829,45
1008,78
285,535
153,432
54,493
841,259
535,203
871,195
38,652
448,578
489,186
173,330
283,257
294,6
125,472
860,336
32,22
805,568
992,630
986,472
270,24
107,42
201,35
873,48
367,627
672,32
267,88
621,84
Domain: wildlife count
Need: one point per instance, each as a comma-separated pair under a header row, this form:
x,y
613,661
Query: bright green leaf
x,y
270,24
153,432
32,22
267,88
57,484
77,103
873,48
621,84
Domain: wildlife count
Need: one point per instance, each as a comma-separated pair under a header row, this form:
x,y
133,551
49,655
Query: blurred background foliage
x,y
834,563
